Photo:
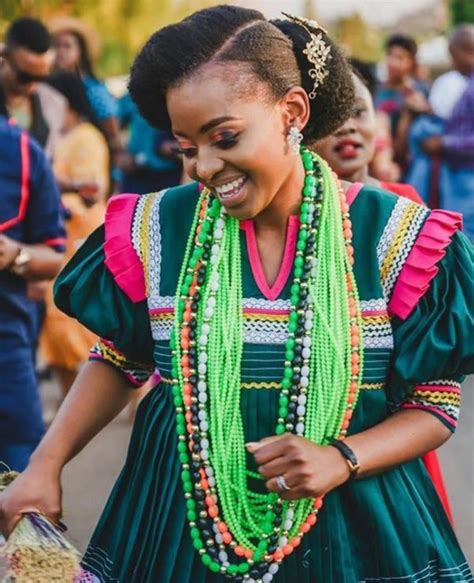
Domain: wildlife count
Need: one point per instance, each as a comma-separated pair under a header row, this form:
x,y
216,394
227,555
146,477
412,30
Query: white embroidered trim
x,y
373,305
385,342
262,332
161,329
255,331
391,228
137,225
262,304
154,246
404,250
161,302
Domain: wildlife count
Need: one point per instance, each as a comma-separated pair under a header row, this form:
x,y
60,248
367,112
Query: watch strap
x,y
347,454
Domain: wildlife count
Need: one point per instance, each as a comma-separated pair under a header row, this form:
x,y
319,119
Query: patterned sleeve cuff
x,y
441,398
136,373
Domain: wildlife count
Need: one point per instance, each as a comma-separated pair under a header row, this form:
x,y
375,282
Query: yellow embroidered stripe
x,y
400,238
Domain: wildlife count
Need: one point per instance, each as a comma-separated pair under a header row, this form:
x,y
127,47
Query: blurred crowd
x,y
67,144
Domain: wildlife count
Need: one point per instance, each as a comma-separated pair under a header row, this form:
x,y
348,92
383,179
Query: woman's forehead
x,y
361,90
214,92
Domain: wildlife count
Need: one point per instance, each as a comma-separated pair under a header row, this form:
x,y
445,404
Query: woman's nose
x,y
207,167
348,127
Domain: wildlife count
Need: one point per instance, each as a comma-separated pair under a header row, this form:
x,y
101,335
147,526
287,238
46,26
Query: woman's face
x,y
68,51
400,64
233,138
350,149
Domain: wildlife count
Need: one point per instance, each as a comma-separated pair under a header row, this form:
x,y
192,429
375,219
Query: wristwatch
x,y
348,455
21,261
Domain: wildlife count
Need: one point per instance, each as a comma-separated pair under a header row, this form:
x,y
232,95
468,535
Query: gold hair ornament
x,y
317,51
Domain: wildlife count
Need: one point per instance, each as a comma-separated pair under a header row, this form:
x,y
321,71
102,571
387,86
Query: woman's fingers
x,y
8,524
268,449
274,485
273,468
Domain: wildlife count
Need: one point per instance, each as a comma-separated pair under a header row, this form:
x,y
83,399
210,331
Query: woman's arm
x,y
402,437
98,394
43,262
312,470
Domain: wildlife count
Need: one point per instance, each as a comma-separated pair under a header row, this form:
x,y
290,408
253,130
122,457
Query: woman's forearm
x,y
402,437
45,262
97,396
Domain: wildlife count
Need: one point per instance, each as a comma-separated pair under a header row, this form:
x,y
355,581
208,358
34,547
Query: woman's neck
x,y
360,175
285,203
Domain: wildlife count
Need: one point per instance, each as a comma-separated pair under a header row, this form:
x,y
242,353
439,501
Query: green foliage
x,y
123,25
462,11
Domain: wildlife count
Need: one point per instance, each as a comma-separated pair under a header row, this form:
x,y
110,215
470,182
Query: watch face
x,y
21,262
23,258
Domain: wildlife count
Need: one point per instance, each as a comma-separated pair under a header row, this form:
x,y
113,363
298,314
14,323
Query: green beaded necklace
x,y
332,365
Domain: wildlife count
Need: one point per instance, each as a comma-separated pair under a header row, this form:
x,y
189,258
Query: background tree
x,y
462,11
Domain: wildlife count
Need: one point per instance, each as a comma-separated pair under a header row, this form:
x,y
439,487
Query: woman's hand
x,y
432,145
309,470
37,489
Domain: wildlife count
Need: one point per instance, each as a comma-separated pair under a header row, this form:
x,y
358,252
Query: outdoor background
x,y
361,26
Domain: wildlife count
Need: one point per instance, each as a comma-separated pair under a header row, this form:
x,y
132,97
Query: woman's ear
x,y
295,108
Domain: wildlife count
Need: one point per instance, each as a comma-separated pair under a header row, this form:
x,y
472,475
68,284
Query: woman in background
x,y
349,151
76,47
81,168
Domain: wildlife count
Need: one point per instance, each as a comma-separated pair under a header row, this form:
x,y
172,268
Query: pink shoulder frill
x,y
121,258
421,264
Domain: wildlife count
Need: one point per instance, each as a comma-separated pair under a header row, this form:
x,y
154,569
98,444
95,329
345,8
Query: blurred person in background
x,y
150,162
448,88
349,152
442,142
402,97
81,168
382,165
76,47
26,59
31,246
351,148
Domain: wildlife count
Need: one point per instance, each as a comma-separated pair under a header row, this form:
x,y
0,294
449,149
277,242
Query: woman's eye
x,y
227,143
226,140
358,111
186,152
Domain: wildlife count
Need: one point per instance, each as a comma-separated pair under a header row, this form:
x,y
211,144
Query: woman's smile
x,y
232,192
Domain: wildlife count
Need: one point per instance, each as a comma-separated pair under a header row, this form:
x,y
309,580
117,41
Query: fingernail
x,y
251,446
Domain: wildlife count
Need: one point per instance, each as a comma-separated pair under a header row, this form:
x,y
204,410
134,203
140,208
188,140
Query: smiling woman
x,y
306,351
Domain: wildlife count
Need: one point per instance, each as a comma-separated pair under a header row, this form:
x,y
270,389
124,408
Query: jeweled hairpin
x,y
317,51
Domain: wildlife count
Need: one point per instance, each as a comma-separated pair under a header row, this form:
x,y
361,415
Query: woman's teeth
x,y
231,188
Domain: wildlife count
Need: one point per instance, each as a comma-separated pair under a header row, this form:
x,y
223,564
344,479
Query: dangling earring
x,y
294,139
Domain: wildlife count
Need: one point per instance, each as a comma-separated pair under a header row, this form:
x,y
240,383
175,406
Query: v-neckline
x,y
271,292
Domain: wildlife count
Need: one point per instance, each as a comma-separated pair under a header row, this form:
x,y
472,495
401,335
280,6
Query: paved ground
x,y
89,478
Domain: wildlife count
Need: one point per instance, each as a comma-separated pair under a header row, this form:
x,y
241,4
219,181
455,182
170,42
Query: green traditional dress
x,y
413,271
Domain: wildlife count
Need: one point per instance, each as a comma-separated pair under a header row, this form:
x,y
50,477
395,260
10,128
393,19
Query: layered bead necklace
x,y
240,533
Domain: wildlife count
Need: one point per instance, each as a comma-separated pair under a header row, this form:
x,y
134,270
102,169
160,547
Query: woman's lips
x,y
347,149
232,196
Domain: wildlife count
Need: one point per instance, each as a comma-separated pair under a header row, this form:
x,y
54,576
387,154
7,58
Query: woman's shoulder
x,y
171,205
372,201
406,239
88,130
